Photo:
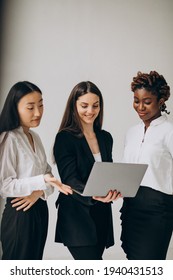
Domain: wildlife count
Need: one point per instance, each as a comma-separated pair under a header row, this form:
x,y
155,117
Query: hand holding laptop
x,y
111,196
125,178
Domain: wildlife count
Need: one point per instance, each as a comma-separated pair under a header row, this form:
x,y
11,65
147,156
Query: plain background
x,y
58,43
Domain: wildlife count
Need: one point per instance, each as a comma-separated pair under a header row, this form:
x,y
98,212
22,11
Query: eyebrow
x,y
87,103
142,98
31,103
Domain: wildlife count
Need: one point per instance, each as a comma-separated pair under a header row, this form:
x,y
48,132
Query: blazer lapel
x,y
102,146
86,150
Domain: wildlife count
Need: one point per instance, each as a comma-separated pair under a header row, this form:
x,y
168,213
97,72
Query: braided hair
x,y
154,83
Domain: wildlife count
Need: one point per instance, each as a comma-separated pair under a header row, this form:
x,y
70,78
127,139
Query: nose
x,y
37,112
141,106
90,109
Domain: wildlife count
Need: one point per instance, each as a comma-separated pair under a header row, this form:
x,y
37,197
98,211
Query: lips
x,y
89,117
142,114
36,120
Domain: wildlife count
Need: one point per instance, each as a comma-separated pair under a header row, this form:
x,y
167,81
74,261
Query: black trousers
x,y
23,234
93,252
147,225
87,252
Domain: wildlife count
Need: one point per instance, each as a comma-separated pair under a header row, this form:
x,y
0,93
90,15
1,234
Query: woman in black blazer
x,y
84,224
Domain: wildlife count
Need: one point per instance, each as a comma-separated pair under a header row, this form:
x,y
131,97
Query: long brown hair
x,y
70,120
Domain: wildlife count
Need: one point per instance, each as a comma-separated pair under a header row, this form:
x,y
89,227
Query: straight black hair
x,y
9,117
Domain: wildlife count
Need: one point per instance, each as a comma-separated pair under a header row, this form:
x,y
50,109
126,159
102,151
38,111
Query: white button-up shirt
x,y
21,169
154,147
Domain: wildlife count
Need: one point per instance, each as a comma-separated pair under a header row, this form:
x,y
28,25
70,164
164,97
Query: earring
x,y
161,107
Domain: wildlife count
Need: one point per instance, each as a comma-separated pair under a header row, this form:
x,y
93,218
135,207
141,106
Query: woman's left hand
x,y
111,196
26,202
49,178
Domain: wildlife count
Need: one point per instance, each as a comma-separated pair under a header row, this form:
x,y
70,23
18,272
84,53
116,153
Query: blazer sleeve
x,y
108,142
65,157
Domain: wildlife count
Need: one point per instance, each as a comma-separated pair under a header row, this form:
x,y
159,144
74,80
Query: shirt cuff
x,y
38,183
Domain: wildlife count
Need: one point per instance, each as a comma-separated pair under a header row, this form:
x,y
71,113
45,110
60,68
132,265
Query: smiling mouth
x,y
89,117
142,114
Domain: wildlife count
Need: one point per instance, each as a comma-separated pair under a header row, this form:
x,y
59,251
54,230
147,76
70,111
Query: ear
x,y
161,101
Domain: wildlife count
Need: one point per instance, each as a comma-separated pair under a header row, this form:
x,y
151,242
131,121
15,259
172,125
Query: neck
x,y
25,129
89,131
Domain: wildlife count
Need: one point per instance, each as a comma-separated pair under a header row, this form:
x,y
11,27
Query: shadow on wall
x,y
2,202
2,8
2,14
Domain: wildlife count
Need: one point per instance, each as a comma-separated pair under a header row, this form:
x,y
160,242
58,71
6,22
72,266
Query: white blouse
x,y
97,157
154,147
21,169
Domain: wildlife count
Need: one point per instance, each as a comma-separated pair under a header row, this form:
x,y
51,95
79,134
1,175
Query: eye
x,y
30,108
147,102
95,106
84,106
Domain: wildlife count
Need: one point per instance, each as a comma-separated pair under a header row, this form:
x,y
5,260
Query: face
x,y
30,109
146,105
88,108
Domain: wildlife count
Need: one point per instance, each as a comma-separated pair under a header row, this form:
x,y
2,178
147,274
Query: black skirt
x,y
23,234
147,224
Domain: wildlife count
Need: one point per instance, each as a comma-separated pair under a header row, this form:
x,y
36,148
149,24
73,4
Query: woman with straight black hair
x,y
25,175
84,224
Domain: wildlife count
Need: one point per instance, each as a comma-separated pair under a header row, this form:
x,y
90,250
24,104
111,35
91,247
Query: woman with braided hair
x,y
147,219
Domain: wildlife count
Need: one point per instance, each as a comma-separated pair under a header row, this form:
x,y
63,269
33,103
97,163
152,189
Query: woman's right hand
x,y
111,196
26,202
50,179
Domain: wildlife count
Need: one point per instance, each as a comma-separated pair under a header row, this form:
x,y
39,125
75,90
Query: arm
x,y
27,202
53,182
169,142
16,170
11,183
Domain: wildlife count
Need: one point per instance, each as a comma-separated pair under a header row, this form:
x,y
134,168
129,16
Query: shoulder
x,y
10,136
135,128
66,138
66,135
104,134
168,124
8,140
65,142
167,130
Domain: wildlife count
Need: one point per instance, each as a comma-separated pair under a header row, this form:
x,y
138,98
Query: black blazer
x,y
81,221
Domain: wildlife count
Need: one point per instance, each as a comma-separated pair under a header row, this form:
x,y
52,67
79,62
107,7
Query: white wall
x,y
58,43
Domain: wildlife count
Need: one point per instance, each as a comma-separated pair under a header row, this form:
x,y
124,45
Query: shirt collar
x,y
20,129
158,121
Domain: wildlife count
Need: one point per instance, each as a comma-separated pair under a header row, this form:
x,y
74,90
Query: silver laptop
x,y
123,177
